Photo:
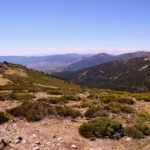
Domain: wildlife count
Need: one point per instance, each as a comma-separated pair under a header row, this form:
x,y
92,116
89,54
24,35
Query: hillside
x,y
47,64
102,58
128,75
42,112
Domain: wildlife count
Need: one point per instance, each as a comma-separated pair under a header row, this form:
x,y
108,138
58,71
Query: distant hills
x,y
129,75
67,62
47,64
102,58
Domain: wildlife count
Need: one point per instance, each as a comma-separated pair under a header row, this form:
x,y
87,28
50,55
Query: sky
x,y
37,27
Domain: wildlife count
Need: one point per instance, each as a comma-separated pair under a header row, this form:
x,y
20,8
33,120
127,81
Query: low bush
x,y
92,111
70,98
116,107
132,132
22,96
54,92
100,127
86,104
141,117
102,113
32,111
53,100
3,118
67,111
142,96
143,127
116,98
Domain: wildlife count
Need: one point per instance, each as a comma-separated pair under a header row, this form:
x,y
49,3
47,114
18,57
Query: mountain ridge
x,y
129,75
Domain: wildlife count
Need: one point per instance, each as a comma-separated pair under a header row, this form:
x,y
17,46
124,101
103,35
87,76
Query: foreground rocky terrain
x,y
41,112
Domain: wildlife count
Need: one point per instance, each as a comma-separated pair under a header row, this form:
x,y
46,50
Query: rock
x,y
2,143
128,139
58,139
18,140
24,141
73,146
37,143
92,139
98,148
34,135
6,127
81,96
35,148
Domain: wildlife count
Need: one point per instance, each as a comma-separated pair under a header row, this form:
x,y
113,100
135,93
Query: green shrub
x,y
53,100
32,111
3,118
142,96
143,127
100,127
22,96
102,113
55,92
116,98
142,117
116,107
70,98
67,111
92,111
133,132
86,104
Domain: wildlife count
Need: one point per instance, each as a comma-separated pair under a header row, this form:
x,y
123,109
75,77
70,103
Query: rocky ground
x,y
57,134
53,134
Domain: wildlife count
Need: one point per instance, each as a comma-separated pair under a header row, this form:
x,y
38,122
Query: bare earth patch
x,y
60,134
16,71
4,81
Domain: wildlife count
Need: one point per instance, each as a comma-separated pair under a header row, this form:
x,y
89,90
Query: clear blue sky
x,y
66,26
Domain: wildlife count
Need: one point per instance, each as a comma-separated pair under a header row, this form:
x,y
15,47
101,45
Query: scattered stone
x,y
24,141
35,148
2,144
128,139
98,148
34,135
58,139
18,140
74,146
6,127
37,143
92,139
81,96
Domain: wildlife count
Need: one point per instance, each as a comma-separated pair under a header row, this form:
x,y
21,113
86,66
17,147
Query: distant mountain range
x,y
47,64
102,58
129,75
67,62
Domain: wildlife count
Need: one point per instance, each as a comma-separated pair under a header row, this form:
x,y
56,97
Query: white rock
x,y
74,146
18,140
34,135
35,148
128,139
24,141
58,139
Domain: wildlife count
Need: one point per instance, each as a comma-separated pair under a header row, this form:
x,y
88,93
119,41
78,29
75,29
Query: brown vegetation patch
x,y
16,71
4,81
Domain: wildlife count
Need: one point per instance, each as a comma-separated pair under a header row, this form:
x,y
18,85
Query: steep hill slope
x,y
129,75
102,58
